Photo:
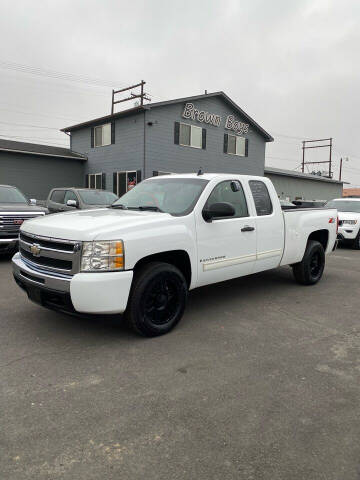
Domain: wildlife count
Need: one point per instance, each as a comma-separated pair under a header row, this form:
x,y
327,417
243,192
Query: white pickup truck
x,y
166,236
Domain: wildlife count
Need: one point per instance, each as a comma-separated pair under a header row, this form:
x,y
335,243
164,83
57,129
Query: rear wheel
x,y
157,299
311,268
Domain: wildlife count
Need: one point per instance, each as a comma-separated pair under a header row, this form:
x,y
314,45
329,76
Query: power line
x,y
282,158
28,112
29,126
64,76
3,135
70,77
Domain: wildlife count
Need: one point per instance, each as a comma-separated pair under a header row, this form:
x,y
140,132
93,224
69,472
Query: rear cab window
x,y
261,197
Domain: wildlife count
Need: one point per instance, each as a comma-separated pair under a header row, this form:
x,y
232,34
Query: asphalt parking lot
x,y
260,380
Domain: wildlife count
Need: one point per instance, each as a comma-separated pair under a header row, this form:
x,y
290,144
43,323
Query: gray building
x,y
116,151
36,169
205,131
292,185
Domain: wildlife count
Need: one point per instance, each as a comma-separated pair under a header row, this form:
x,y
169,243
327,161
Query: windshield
x,y
344,205
176,196
11,195
96,197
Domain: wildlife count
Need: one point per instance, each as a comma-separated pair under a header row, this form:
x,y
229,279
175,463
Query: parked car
x,y
309,203
349,219
166,236
65,199
15,208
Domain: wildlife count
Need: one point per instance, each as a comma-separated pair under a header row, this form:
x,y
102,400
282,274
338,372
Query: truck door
x,y
269,226
226,246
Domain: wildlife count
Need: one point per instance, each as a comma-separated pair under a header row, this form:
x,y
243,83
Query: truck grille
x,y
10,224
52,255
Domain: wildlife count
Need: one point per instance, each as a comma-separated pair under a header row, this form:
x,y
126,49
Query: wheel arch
x,y
321,236
179,258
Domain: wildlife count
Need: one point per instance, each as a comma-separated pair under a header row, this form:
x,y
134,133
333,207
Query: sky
x,y
292,65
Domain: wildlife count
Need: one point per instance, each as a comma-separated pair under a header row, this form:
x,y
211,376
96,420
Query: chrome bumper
x,y
36,278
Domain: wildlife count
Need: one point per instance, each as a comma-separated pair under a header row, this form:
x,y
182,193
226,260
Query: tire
x,y
311,268
356,244
157,299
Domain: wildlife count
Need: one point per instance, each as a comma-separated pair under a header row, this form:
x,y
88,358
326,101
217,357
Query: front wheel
x,y
311,268
356,244
157,299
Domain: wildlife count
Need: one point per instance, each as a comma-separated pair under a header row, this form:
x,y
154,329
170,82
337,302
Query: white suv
x,y
349,219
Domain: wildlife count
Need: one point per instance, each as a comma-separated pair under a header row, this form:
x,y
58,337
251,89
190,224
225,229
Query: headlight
x,y
102,256
350,222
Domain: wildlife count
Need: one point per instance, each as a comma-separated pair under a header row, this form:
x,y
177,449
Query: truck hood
x,y
349,216
87,225
21,207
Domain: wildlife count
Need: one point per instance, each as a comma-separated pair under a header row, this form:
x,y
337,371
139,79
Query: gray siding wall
x,y
37,175
162,153
126,153
292,188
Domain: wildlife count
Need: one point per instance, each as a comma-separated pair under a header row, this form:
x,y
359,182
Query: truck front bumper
x,y
347,232
89,293
8,245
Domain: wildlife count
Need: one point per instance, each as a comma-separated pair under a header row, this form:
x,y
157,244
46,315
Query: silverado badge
x,y
35,249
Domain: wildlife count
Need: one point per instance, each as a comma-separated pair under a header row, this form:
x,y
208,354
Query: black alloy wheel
x,y
315,264
161,300
356,244
311,268
157,299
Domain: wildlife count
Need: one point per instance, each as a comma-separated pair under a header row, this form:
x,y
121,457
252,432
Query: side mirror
x,y
32,201
218,210
72,203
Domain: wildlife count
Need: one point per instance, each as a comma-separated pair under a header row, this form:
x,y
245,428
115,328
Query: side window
x,y
58,196
188,135
70,195
261,197
232,192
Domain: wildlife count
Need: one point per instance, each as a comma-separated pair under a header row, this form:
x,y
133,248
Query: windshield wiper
x,y
119,205
151,208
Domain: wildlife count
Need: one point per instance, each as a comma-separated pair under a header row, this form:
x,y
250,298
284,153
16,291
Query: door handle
x,y
247,229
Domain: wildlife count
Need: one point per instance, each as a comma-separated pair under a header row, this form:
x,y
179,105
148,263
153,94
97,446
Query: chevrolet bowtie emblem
x,y
35,250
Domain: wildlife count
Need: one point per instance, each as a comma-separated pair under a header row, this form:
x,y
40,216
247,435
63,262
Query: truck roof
x,y
206,176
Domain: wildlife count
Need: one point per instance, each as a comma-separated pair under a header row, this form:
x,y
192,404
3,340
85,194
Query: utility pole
x,y
305,146
341,162
340,168
143,96
303,157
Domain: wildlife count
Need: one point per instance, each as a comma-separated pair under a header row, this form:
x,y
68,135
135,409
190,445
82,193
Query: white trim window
x,y
236,145
102,135
190,136
125,181
95,180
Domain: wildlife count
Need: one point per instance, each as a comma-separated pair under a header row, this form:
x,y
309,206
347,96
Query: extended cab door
x,y
226,246
269,222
